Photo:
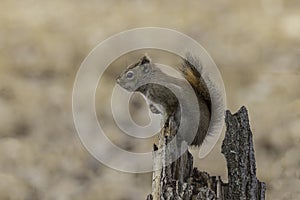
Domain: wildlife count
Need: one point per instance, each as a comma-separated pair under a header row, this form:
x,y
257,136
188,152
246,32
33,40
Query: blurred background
x,y
255,44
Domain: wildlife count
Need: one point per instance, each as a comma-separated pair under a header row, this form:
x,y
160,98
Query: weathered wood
x,y
180,180
238,150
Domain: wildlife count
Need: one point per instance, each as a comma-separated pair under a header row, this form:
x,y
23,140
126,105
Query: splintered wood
x,y
179,180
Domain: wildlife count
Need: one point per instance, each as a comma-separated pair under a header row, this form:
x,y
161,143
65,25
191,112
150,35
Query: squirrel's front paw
x,y
154,109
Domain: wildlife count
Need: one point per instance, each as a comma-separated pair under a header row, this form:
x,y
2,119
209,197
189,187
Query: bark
x,y
238,150
180,180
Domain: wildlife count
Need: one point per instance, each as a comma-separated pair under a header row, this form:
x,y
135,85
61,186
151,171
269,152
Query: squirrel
x,y
160,99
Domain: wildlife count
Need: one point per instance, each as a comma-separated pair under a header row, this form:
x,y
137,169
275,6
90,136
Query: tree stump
x,y
180,180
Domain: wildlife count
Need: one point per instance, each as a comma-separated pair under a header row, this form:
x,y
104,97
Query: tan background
x,y
256,45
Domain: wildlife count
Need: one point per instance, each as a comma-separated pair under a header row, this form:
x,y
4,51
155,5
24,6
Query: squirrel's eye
x,y
129,75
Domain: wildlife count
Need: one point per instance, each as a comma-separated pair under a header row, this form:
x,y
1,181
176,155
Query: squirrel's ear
x,y
145,63
145,59
146,67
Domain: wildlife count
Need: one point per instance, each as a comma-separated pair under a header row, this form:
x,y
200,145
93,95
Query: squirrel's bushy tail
x,y
191,69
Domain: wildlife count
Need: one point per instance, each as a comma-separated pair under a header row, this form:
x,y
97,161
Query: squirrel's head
x,y
136,74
